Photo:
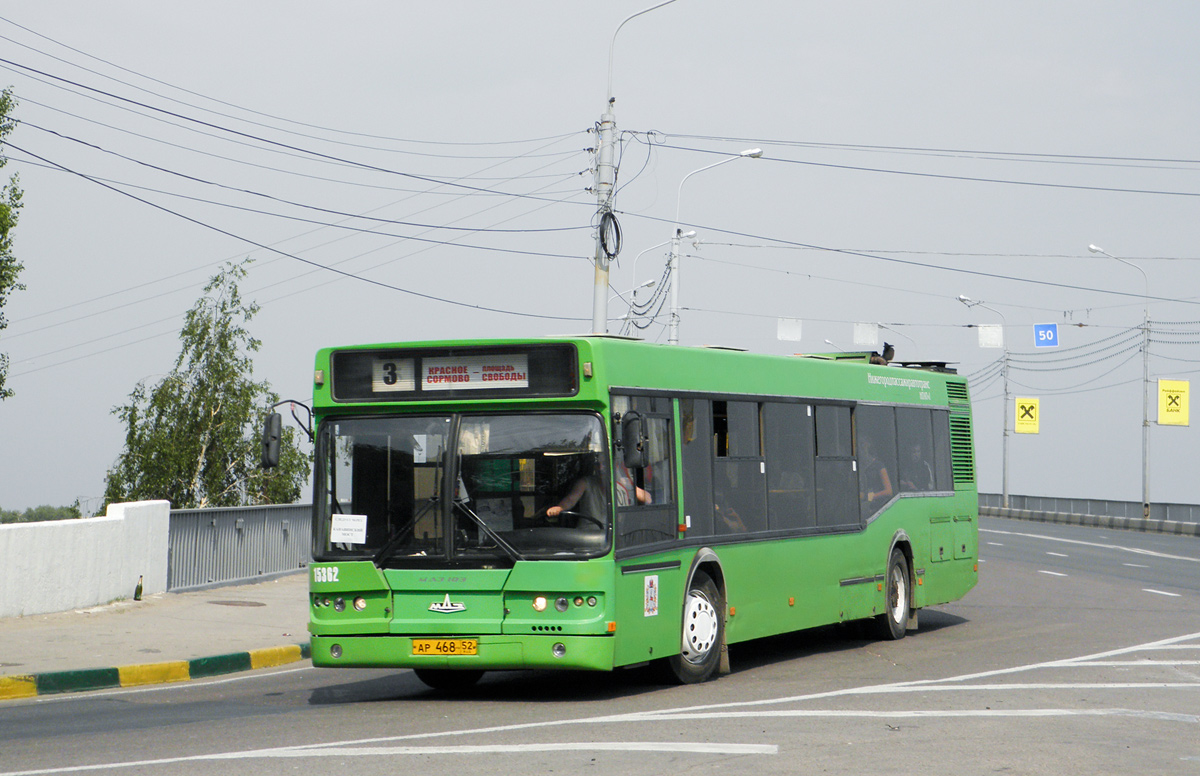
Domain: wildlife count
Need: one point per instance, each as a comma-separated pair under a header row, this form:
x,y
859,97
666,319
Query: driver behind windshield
x,y
586,495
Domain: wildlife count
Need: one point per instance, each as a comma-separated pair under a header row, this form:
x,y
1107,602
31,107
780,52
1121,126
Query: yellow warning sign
x,y
1172,402
1027,416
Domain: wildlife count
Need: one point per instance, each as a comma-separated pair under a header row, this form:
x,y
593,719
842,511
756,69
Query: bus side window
x,y
878,480
837,481
646,512
739,489
790,445
943,470
914,428
696,415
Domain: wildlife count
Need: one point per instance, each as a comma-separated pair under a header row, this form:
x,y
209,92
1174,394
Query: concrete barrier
x,y
1177,527
72,564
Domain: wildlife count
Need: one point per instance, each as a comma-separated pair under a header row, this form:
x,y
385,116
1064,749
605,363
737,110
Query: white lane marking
x,y
1051,573
339,750
1135,565
994,544
1058,555
1160,592
575,746
1135,550
717,710
935,713
1139,663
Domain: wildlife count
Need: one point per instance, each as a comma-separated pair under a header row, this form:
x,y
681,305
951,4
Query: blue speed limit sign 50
x,y
1045,335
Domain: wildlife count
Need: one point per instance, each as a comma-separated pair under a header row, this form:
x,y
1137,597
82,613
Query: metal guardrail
x,y
219,546
1182,513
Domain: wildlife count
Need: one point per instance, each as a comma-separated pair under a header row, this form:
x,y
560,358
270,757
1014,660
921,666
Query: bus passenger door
x,y
649,582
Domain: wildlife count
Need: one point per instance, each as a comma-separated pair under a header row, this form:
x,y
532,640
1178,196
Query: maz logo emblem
x,y
447,606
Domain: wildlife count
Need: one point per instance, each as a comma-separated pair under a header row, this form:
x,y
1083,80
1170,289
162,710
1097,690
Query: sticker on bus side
x,y
651,596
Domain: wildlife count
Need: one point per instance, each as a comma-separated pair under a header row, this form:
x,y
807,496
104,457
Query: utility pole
x,y
1145,377
607,231
969,302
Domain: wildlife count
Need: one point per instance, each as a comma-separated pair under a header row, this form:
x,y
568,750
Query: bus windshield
x,y
474,489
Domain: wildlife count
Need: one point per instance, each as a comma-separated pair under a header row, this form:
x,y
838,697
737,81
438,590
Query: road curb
x,y
1097,521
31,685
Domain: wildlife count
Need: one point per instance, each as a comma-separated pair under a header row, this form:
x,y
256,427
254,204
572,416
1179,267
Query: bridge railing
x,y
1183,513
219,546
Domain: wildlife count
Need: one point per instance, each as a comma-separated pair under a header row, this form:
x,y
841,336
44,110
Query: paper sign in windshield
x,y
348,529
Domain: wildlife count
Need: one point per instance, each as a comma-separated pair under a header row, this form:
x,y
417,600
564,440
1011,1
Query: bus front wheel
x,y
892,624
703,632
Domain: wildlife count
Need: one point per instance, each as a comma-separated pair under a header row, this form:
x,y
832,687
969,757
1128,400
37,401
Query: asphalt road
x,y
1079,652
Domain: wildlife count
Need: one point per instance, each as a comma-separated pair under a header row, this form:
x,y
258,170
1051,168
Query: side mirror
x,y
272,431
634,447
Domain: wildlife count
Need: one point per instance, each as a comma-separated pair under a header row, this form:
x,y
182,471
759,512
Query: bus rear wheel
x,y
448,679
703,632
892,624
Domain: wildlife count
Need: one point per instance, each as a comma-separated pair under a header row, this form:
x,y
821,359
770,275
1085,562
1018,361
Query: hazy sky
x,y
436,155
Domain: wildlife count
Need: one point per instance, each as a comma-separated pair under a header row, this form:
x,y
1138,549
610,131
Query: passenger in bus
x,y
627,489
727,514
918,470
875,481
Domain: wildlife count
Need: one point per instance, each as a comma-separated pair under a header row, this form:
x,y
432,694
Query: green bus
x,y
598,502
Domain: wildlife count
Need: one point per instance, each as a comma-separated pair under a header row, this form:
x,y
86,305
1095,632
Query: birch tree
x,y
194,437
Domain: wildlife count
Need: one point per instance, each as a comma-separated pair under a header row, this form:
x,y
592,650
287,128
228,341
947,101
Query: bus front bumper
x,y
494,652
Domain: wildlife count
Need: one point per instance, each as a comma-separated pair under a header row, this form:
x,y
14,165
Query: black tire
x,y
703,632
892,624
448,679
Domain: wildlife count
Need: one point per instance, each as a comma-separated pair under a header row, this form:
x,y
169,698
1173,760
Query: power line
x,y
310,262
265,141
241,108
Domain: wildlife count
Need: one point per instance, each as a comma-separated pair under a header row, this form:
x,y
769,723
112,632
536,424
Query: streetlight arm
x,y
612,45
1126,262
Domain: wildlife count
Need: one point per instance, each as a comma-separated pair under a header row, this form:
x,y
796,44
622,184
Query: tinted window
x,y
736,429
877,476
696,419
789,433
837,480
942,467
914,426
833,432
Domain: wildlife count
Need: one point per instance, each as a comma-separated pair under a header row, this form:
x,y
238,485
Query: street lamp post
x,y
1145,377
969,302
673,325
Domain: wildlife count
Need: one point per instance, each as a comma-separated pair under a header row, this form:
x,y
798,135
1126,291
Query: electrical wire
x,y
310,262
241,108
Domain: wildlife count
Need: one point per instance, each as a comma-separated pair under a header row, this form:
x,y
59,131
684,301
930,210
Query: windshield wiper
x,y
509,550
400,534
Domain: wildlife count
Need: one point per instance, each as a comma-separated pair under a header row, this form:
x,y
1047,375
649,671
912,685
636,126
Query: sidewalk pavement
x,y
167,637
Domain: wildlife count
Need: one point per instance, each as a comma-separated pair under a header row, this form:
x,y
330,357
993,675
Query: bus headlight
x,y
360,603
539,603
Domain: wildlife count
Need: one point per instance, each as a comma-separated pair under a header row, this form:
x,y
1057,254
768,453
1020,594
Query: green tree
x,y
40,514
194,438
10,205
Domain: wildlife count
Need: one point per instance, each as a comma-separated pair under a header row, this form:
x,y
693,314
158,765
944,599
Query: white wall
x,y
61,565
